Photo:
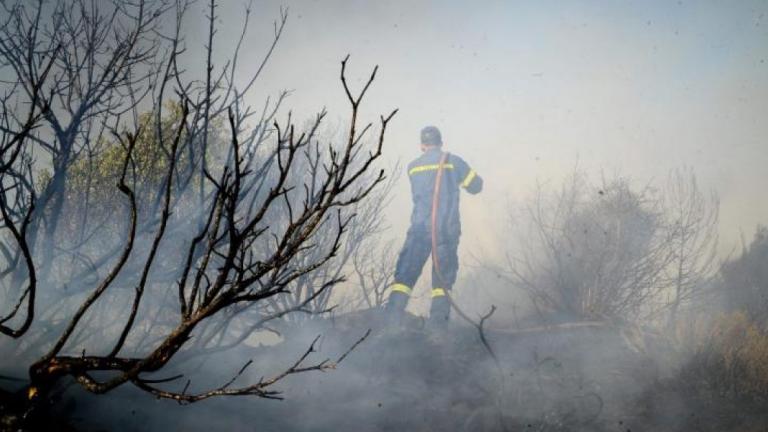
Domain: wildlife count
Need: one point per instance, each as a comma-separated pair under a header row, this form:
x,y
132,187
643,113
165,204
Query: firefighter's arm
x,y
468,178
472,182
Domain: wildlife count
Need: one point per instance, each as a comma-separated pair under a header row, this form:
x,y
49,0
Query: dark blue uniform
x,y
422,173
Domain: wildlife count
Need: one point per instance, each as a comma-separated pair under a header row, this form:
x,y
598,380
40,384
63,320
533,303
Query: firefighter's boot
x,y
395,310
439,312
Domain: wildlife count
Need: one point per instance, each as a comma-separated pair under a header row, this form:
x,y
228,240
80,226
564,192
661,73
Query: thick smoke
x,y
619,295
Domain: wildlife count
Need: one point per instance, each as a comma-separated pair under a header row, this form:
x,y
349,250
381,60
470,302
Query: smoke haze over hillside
x,y
526,91
612,270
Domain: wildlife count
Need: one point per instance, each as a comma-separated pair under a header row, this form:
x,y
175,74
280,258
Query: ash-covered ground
x,y
580,377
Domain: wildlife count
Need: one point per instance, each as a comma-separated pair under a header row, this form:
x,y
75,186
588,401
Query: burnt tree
x,y
197,229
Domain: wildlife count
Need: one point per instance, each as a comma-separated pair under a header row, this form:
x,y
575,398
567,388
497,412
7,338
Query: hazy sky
x,y
525,90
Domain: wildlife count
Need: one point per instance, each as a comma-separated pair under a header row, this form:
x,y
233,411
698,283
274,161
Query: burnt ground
x,y
591,377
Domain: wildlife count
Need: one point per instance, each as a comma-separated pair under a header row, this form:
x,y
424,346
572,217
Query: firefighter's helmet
x,y
430,135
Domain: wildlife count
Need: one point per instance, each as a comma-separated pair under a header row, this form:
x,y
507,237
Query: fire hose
x,y
436,259
436,264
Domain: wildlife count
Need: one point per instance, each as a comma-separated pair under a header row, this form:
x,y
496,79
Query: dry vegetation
x,y
730,359
171,228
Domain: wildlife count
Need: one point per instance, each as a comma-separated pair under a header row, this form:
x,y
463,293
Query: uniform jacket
x,y
457,175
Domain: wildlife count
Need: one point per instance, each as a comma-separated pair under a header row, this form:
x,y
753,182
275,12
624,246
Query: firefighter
x,y
436,178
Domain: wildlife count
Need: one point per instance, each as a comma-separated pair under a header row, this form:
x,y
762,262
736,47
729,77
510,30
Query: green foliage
x,y
92,196
98,174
